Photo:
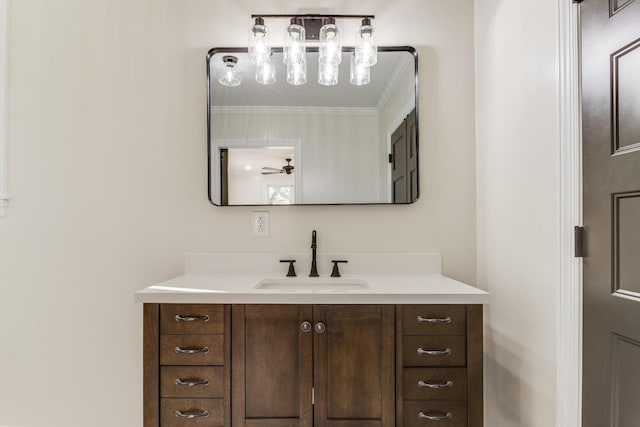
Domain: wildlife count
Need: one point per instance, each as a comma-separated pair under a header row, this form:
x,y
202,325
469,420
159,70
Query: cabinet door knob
x,y
435,416
306,326
192,414
320,327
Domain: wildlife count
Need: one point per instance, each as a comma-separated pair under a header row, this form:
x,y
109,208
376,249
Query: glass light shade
x,y
327,73
259,47
330,43
297,73
360,74
366,51
266,72
294,47
228,73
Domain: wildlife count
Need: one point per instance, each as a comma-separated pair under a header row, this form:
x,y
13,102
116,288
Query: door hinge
x,y
390,158
578,234
313,395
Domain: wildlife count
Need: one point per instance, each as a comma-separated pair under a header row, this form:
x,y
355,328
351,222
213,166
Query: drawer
x,y
448,413
435,383
191,381
434,350
191,319
433,320
175,412
191,349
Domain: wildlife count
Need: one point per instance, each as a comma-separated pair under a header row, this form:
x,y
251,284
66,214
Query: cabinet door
x,y
271,366
354,366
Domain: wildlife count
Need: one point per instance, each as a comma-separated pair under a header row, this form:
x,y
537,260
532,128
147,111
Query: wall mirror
x,y
312,144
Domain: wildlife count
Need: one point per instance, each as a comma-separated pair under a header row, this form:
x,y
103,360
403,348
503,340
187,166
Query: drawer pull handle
x,y
435,416
192,414
434,319
192,382
434,352
423,384
192,350
181,318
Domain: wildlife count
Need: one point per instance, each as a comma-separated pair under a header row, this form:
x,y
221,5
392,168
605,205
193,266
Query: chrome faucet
x,y
314,246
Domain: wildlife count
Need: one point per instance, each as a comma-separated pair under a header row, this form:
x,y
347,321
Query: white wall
x,y
518,206
108,175
4,104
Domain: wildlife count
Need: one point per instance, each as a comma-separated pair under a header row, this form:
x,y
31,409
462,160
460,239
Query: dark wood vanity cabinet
x,y
272,374
186,365
321,365
439,365
313,365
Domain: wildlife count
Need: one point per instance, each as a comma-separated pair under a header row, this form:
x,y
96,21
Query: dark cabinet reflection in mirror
x,y
280,144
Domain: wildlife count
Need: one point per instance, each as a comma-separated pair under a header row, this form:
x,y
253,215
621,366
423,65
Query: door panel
x,y
404,150
354,365
272,366
399,165
412,157
625,408
611,182
626,217
626,96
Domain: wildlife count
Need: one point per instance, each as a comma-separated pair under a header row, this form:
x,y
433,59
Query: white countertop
x,y
234,278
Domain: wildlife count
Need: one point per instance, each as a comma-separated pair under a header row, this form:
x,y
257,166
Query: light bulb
x,y
366,51
266,73
330,42
259,47
294,49
327,73
297,73
360,74
229,74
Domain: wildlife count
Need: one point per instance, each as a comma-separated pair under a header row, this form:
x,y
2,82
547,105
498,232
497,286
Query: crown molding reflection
x,y
257,109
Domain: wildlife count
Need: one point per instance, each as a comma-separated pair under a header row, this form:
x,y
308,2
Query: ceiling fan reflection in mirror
x,y
288,169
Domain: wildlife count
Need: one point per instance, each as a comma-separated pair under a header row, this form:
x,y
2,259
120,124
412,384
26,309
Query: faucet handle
x,y
292,271
336,272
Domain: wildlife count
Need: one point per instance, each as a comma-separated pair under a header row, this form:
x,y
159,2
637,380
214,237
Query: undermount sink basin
x,y
312,283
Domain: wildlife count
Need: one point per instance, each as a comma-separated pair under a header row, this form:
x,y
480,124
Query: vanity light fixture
x,y
366,49
294,43
315,28
360,74
266,72
330,42
297,73
327,73
259,48
329,53
229,74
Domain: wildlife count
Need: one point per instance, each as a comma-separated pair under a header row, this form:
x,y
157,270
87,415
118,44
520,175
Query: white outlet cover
x,y
260,224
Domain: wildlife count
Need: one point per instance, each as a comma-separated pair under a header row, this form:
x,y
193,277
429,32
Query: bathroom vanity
x,y
234,342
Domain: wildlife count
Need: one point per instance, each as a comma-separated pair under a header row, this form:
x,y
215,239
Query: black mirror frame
x,y
218,50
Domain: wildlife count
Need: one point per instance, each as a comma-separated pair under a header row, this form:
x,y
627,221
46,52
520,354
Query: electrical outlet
x,y
260,224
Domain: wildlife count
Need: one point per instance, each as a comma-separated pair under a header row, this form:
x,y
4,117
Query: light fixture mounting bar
x,y
312,15
312,22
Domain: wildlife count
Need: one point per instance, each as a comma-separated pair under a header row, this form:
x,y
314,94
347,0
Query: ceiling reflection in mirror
x,y
280,144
